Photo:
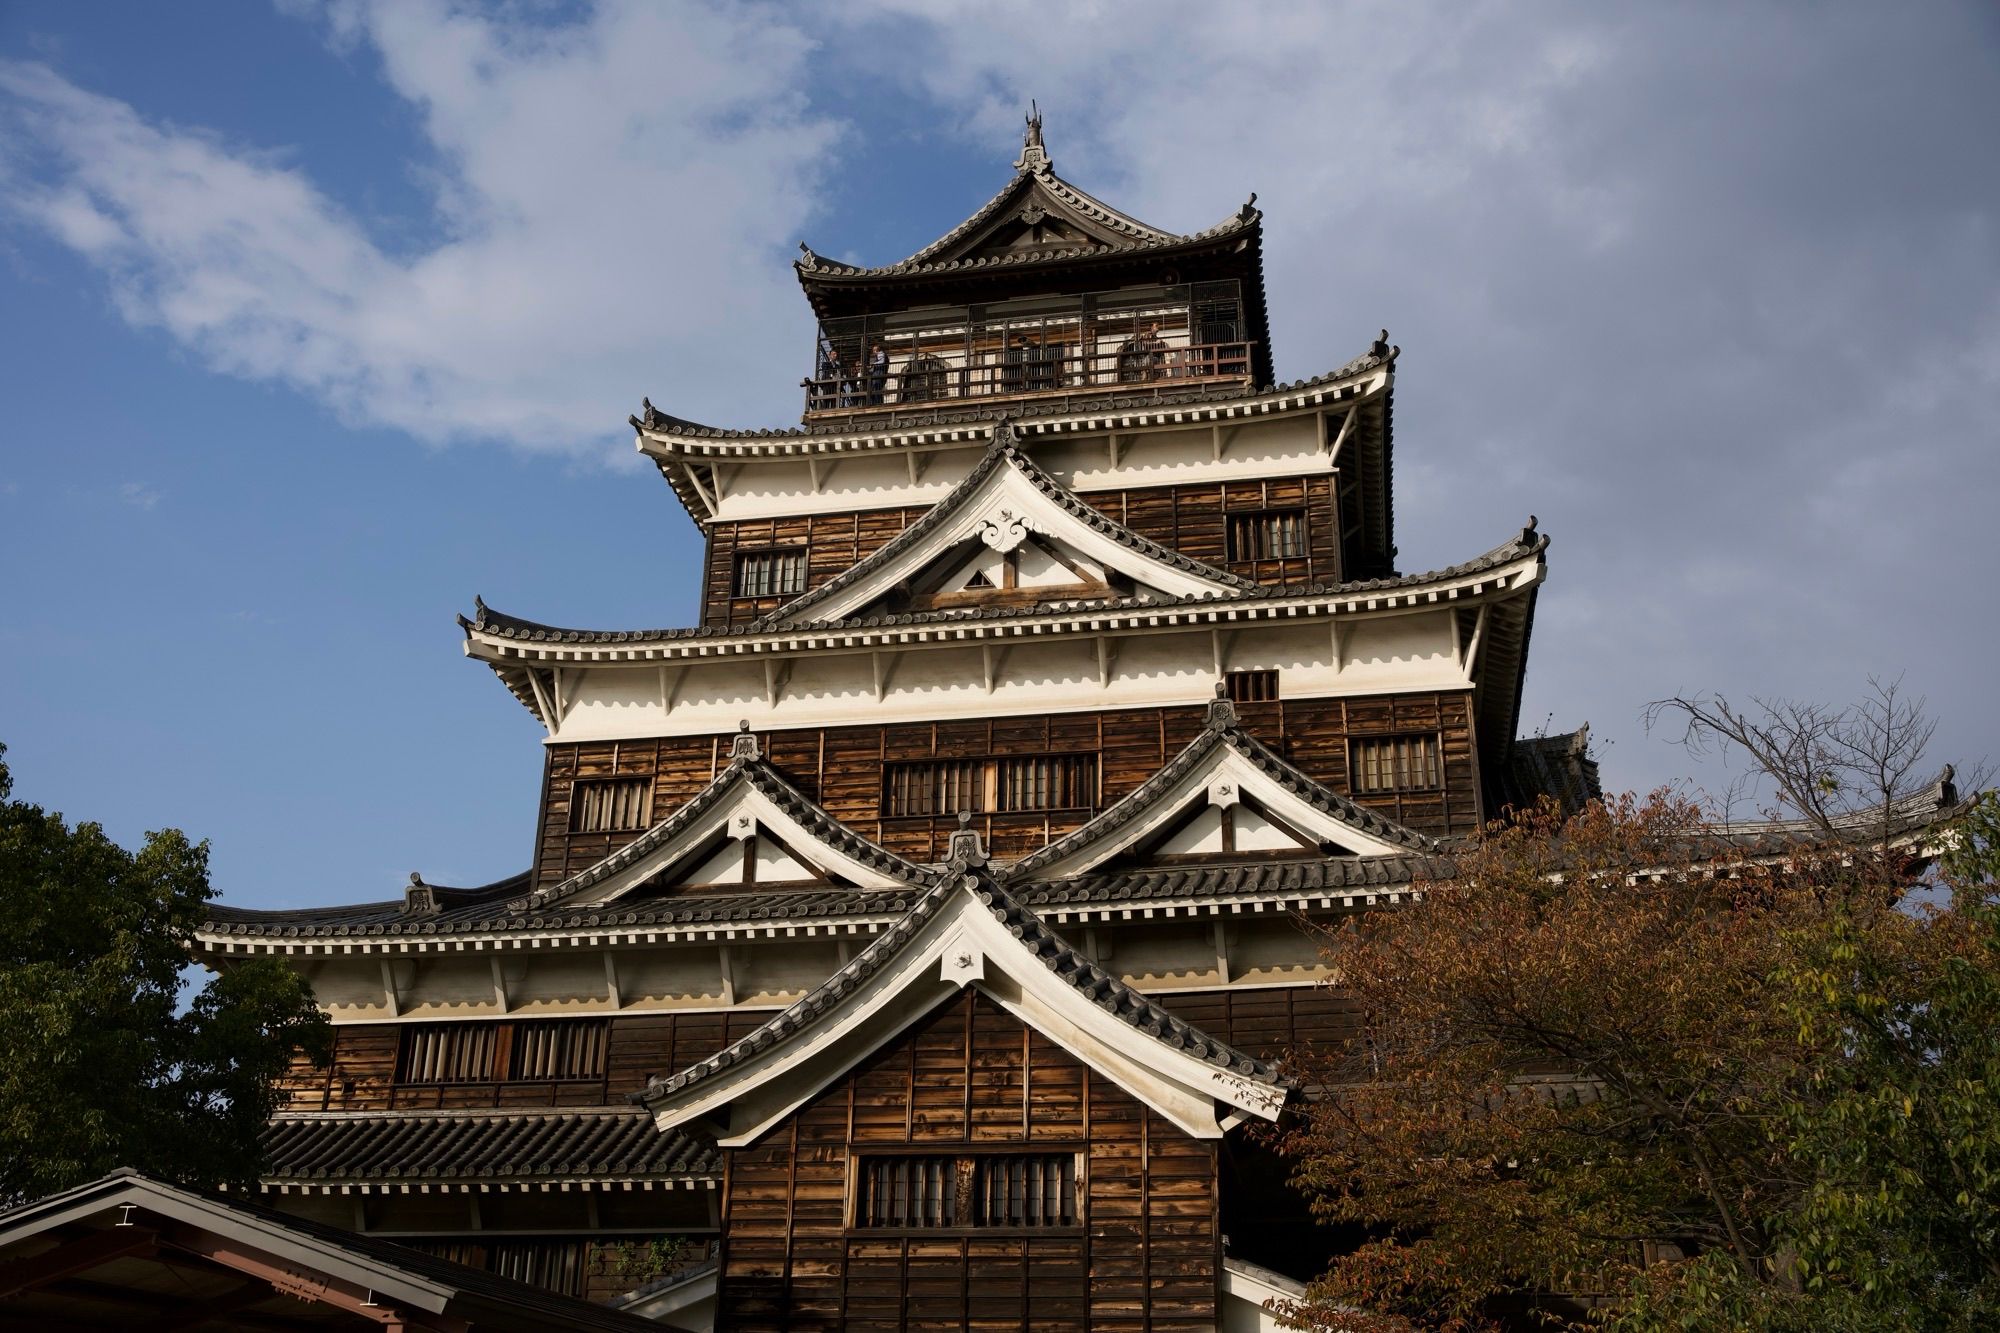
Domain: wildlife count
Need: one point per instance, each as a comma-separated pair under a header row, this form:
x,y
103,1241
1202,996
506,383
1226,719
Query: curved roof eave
x,y
663,436
493,629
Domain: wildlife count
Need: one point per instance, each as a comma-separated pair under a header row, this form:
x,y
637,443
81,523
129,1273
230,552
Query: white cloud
x,y
138,495
615,200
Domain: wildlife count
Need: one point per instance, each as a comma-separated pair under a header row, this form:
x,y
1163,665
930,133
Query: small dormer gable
x,y
747,830
1009,536
1226,796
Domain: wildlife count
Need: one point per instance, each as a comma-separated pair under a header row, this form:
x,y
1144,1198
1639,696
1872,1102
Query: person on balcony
x,y
1014,364
1142,357
878,374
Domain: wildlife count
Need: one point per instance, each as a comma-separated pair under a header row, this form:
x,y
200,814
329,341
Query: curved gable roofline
x,y
746,769
1221,732
1034,187
946,941
1003,452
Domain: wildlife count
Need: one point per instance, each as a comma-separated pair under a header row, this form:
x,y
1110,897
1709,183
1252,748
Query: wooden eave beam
x,y
74,1256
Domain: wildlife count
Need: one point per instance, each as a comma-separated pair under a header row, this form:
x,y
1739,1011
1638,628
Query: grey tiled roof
x,y
995,409
1100,987
488,1146
1002,452
1042,184
1319,876
1220,731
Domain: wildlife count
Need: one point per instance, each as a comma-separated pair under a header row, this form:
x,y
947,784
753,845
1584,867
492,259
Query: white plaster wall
x,y
1176,454
1384,655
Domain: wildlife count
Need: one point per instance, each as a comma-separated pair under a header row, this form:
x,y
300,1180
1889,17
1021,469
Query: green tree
x,y
101,1063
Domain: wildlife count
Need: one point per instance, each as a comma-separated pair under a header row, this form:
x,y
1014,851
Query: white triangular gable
x,y
961,943
1185,818
709,850
1000,513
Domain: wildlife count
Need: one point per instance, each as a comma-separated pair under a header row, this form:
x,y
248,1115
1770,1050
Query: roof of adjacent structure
x,y
1222,731
1101,988
215,1227
1559,767
490,1147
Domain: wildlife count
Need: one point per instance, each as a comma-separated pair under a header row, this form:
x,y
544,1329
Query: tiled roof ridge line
x,y
1033,174
1222,728
507,626
1003,450
1102,987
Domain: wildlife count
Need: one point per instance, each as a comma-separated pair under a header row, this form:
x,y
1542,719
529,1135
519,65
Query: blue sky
x,y
317,319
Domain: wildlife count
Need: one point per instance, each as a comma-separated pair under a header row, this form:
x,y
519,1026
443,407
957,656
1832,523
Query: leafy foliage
x,y
1595,1066
100,1064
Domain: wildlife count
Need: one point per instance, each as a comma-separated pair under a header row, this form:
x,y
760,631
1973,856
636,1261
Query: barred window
x,y
1251,687
557,1050
776,573
558,1265
996,1190
994,785
501,1052
610,805
1272,534
1394,763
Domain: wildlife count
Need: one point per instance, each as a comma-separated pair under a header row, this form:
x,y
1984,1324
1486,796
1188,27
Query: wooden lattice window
x,y
536,1052
1251,687
775,573
609,805
1380,764
1268,534
1017,1191
556,1265
990,786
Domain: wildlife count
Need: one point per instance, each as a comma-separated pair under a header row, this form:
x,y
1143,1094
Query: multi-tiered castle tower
x,y
918,931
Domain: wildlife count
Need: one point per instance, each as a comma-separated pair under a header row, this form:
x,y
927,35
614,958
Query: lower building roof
x,y
488,1147
90,1256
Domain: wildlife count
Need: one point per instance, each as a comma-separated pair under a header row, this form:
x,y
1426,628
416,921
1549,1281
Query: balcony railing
x,y
1140,364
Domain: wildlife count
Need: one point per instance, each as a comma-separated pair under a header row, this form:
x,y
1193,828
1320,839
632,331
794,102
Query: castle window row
x,y
501,1052
1272,534
990,785
778,572
1389,764
1016,1191
611,805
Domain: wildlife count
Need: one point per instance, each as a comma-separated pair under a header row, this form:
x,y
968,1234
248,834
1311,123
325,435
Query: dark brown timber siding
x,y
972,1079
362,1075
841,767
1190,519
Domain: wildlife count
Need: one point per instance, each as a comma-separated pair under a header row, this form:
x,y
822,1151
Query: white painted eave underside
x,y
1497,582
858,926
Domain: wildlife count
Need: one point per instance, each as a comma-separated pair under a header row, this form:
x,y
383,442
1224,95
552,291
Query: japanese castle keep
x,y
916,937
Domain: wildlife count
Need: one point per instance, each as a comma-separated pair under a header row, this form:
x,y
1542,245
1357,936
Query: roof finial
x,y
1034,157
964,851
743,745
1221,711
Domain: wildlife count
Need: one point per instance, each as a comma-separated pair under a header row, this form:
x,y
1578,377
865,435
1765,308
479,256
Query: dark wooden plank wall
x,y
1265,1021
1189,519
841,767
362,1074
971,1076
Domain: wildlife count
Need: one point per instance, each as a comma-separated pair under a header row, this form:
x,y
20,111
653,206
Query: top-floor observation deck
x,y
1045,293
1130,341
